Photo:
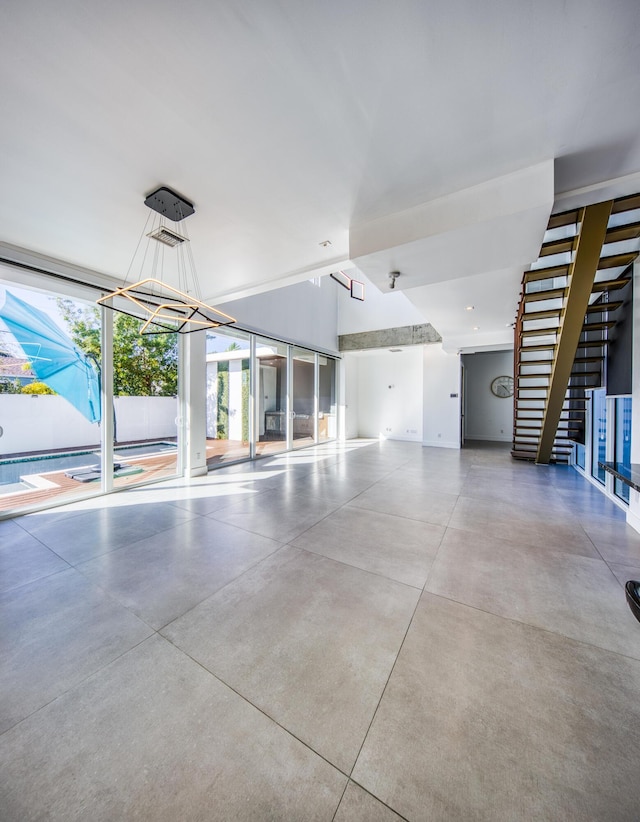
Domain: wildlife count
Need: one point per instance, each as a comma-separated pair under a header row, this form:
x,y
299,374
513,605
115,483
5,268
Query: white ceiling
x,y
289,123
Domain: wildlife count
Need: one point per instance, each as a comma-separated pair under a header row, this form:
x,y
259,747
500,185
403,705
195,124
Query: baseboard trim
x,y
633,520
440,444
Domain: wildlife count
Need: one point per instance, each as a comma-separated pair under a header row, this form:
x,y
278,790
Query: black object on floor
x,y
632,589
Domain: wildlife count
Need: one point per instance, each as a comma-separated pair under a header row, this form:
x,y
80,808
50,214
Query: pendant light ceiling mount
x,y
165,308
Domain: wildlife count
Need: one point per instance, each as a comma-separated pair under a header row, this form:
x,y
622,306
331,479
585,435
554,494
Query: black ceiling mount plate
x,y
169,204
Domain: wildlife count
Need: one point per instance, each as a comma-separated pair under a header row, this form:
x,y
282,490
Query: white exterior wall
x,y
43,423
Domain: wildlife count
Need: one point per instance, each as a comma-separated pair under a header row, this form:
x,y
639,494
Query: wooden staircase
x,y
570,302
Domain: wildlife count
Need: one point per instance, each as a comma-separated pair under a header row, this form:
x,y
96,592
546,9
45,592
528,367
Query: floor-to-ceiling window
x,y
145,403
598,433
303,397
327,406
608,440
228,396
622,444
271,407
114,418
50,405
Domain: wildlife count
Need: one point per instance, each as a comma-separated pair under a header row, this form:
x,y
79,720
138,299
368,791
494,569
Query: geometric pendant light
x,y
164,308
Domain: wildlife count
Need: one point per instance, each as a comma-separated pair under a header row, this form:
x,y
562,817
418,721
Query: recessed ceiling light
x,y
476,328
469,307
325,243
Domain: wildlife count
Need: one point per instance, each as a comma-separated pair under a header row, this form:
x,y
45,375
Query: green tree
x,y
144,365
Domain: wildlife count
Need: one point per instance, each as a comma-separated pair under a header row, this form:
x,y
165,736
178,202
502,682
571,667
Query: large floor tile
x,y
623,573
405,500
55,632
104,529
526,524
492,720
615,540
298,636
165,575
23,558
279,514
182,747
571,595
359,806
395,547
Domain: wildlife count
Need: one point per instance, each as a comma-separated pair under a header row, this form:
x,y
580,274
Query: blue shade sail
x,y
53,356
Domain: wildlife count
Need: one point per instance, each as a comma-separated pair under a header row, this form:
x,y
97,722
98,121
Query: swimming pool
x,y
12,470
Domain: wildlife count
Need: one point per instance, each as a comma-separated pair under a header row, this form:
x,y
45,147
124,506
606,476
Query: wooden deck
x,y
154,467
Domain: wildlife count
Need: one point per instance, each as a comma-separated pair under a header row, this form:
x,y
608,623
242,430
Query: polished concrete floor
x,y
363,631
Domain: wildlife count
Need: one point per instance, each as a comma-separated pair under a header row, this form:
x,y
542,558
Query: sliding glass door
x,y
303,418
50,404
327,406
228,396
57,441
271,406
145,403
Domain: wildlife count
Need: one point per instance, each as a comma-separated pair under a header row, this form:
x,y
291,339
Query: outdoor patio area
x,y
153,467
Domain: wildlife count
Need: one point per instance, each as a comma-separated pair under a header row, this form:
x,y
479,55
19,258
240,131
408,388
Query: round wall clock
x,y
502,387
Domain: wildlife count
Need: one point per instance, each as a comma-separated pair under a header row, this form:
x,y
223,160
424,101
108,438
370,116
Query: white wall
x,y
349,395
441,410
39,423
380,309
487,417
304,313
145,418
389,395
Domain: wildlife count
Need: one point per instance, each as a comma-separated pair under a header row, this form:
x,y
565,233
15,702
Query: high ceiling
x,y
290,123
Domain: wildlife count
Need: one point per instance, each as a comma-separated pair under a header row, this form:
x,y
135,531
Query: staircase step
x,y
629,203
537,296
604,308
537,274
539,332
571,217
580,360
593,343
561,246
598,326
609,285
617,260
542,315
538,347
527,424
619,233
536,362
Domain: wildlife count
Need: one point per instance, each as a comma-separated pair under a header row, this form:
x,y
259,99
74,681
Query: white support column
x,y
633,512
194,403
106,376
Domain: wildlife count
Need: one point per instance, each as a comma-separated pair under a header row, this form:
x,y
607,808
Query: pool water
x,y
12,470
